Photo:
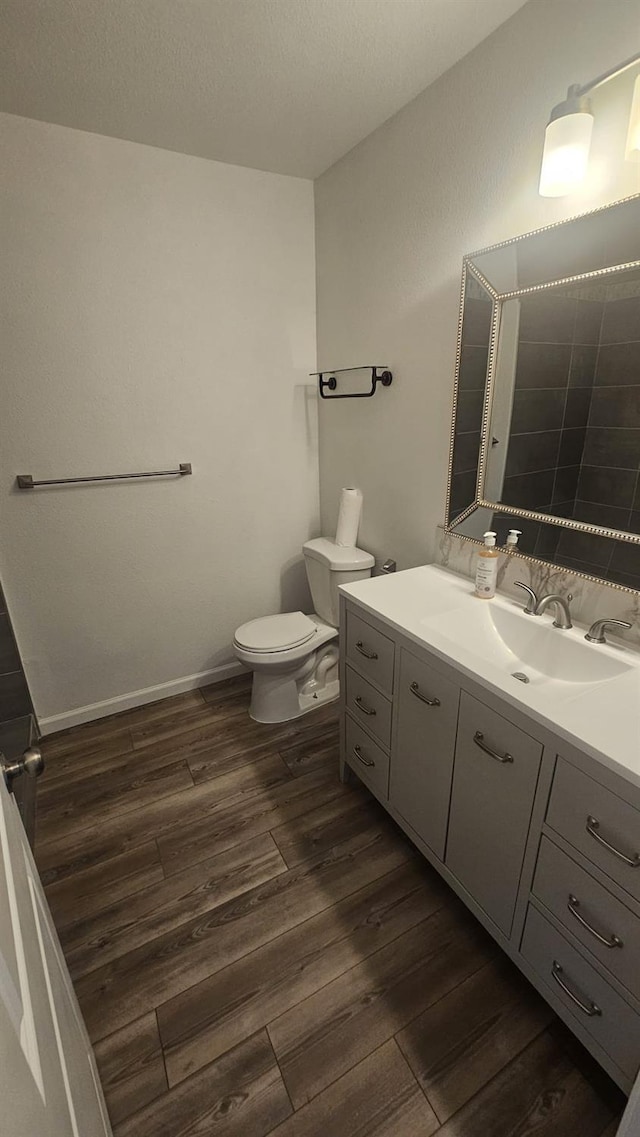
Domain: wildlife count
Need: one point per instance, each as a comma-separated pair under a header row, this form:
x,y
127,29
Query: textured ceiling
x,y
282,85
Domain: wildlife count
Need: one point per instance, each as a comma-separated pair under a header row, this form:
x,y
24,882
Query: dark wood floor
x,y
258,949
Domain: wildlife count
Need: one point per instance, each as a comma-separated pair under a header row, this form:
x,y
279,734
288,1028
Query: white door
x,y
48,1081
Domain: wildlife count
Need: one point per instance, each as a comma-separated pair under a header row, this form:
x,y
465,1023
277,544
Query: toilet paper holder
x,y
385,377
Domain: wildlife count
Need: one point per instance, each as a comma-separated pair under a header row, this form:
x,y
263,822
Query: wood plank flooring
x,y
258,950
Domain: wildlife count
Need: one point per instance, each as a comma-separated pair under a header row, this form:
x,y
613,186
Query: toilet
x,y
294,658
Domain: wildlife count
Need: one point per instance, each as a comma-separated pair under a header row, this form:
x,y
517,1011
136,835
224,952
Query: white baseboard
x,y
92,711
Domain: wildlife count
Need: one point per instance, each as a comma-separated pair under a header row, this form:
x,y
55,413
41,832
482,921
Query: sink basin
x,y
587,694
508,639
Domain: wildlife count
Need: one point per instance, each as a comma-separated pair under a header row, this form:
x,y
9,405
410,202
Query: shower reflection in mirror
x,y
549,362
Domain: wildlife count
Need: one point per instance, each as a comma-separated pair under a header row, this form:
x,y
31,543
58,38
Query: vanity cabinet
x,y
540,841
609,1019
494,785
610,835
425,737
602,923
369,760
370,651
369,706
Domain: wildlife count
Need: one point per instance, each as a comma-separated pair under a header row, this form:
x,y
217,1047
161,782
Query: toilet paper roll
x,y
349,517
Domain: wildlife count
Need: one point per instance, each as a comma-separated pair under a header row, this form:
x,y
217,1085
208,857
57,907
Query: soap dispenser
x,y
512,538
487,568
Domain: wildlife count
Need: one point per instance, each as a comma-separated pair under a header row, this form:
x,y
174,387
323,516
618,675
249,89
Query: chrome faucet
x,y
536,607
530,608
596,635
563,616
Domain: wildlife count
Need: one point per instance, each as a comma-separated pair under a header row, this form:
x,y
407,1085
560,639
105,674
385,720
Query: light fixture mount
x,y
576,102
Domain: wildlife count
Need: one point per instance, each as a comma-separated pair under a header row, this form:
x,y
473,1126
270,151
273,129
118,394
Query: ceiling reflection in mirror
x,y
549,361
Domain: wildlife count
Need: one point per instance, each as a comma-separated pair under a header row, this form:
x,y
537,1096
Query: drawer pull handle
x,y
478,738
361,758
573,904
363,707
591,1009
363,651
593,826
415,690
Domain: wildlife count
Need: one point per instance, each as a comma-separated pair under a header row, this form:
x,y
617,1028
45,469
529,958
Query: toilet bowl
x,y
294,657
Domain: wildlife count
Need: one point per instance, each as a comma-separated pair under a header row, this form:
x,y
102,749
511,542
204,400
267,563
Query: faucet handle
x,y
596,635
533,599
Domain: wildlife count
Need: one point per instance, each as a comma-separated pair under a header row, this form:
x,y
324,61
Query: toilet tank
x,y
329,565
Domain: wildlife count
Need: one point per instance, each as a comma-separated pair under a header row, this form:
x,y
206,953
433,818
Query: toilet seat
x,y
276,633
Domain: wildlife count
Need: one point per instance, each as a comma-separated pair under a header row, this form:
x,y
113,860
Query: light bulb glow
x,y
632,149
566,154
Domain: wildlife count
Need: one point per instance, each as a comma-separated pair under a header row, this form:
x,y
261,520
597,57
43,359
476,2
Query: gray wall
x,y
156,308
456,170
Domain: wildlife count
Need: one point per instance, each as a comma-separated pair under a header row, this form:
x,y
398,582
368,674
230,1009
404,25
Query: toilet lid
x,y
276,633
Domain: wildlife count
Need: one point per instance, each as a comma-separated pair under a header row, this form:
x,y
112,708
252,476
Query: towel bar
x,y
26,482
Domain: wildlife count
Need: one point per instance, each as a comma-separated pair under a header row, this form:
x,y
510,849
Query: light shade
x,y
566,153
633,134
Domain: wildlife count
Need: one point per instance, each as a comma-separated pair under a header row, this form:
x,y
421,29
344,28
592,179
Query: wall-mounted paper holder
x,y
385,377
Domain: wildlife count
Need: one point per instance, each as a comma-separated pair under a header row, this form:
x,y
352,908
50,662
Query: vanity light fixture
x,y
568,134
633,135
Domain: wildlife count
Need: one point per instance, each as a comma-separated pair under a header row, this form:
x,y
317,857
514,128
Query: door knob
x,y
31,764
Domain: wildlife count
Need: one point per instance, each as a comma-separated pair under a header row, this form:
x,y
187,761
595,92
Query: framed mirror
x,y
546,420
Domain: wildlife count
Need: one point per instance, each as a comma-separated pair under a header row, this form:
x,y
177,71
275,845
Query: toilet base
x,y
330,693
282,697
303,704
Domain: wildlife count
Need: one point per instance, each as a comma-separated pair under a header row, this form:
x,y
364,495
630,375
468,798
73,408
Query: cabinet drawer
x,y
370,651
369,706
583,991
590,912
601,825
422,759
369,760
494,781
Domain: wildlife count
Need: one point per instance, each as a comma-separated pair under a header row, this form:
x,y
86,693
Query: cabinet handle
x,y
573,904
591,1009
592,829
478,738
363,707
363,651
361,758
415,690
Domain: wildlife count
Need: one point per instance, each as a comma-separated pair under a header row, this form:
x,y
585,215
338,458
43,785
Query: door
x,y
48,1081
422,758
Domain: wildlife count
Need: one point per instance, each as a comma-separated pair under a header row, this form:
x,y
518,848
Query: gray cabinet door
x,y
369,760
422,759
494,782
604,827
370,651
368,706
607,928
583,991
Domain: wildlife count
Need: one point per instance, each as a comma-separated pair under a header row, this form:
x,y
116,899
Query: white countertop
x,y
432,606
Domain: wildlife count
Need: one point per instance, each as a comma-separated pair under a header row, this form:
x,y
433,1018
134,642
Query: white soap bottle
x,y
487,568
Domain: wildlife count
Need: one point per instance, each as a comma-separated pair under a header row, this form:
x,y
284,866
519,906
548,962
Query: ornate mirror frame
x,y
472,274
